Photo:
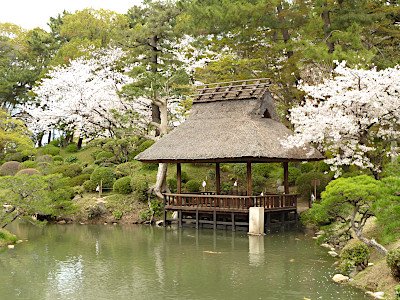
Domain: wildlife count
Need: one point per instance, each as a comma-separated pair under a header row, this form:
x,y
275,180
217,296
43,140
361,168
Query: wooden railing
x,y
228,202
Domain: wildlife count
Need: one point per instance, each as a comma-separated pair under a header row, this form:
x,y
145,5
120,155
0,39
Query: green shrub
x,y
28,154
9,168
353,255
78,190
262,169
55,143
71,171
240,170
226,187
258,183
294,173
51,150
184,176
44,167
304,186
28,171
211,174
71,159
94,153
140,187
89,186
192,186
323,167
71,148
148,166
125,169
393,262
117,214
88,169
78,180
58,158
307,167
143,146
27,165
103,174
172,184
123,185
104,155
44,158
18,156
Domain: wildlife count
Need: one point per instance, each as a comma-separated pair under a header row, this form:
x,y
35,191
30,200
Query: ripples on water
x,y
143,262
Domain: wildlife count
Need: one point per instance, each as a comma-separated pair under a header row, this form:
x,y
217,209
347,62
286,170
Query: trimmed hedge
x,y
28,171
58,158
44,158
71,159
29,164
51,150
393,262
89,186
140,187
71,171
123,185
18,156
9,168
78,180
304,186
104,155
104,174
192,186
88,170
71,148
172,184
353,255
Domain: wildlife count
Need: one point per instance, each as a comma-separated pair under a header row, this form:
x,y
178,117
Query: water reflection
x,y
143,262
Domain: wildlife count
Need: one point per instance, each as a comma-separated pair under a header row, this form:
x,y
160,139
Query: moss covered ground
x,y
6,238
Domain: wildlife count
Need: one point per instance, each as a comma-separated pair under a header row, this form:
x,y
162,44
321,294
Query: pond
x,y
145,262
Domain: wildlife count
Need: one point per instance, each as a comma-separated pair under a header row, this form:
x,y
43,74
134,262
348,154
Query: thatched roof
x,y
239,124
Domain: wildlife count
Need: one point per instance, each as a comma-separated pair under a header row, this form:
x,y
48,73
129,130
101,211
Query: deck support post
x,y
249,179
179,218
197,219
178,178
215,220
233,222
256,220
286,177
165,212
218,179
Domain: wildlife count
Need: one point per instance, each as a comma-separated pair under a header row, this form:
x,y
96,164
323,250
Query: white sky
x,y
36,13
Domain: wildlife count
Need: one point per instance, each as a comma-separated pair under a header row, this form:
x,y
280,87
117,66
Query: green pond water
x,y
145,262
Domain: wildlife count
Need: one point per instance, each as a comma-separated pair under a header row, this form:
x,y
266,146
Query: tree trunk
x,y
80,142
49,138
327,25
369,242
40,138
284,30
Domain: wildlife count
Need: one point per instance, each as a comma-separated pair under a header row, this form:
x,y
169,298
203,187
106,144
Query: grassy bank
x,y
6,238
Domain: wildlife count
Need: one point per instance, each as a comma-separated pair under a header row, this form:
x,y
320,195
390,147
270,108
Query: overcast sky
x,y
36,13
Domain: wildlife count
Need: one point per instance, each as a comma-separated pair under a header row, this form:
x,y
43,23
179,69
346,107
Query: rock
x,y
333,249
115,223
370,264
314,238
102,207
280,189
333,253
339,278
321,232
105,223
279,182
160,223
326,245
19,241
10,246
175,215
377,295
62,222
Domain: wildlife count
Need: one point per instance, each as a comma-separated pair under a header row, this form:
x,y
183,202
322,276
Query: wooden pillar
x,y
214,220
233,222
286,177
197,219
218,179
180,219
165,212
178,178
249,179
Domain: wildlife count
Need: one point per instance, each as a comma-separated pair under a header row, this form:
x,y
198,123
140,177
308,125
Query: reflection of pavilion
x,y
230,122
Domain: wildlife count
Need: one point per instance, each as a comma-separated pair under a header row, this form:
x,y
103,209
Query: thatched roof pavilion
x,y
234,123
229,122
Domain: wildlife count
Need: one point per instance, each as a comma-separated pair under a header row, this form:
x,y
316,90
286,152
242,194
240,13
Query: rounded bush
x,y
9,168
78,180
294,173
95,152
58,158
353,255
71,171
44,158
307,167
18,156
55,143
89,186
28,154
103,174
305,187
149,166
88,170
104,155
184,176
140,187
192,186
143,146
123,185
45,168
28,172
28,164
125,169
393,262
51,150
172,184
71,148
71,159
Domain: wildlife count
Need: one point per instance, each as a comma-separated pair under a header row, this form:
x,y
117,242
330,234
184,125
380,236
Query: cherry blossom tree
x,y
353,117
85,95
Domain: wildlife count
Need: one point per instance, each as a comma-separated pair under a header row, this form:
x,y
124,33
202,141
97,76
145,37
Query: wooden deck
x,y
226,209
